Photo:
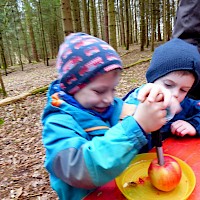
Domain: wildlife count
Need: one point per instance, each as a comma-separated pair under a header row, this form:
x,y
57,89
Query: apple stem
x,y
160,156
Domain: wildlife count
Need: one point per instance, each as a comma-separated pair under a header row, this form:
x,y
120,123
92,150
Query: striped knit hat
x,y
81,58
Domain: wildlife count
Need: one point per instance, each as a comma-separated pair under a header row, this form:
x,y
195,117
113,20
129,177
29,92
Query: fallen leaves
x,y
15,194
22,153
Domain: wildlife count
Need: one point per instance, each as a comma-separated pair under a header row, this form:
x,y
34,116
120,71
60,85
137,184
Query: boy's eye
x,y
102,92
98,91
168,85
184,91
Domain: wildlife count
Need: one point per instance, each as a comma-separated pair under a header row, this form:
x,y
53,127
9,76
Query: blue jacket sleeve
x,y
131,97
84,162
190,113
193,115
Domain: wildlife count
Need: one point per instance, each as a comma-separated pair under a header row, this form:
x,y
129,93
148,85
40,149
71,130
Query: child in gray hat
x,y
175,65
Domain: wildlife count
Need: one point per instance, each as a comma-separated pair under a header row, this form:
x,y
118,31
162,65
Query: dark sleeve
x,y
194,115
187,27
187,23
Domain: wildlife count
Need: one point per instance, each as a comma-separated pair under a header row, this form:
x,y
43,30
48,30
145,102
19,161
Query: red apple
x,y
165,177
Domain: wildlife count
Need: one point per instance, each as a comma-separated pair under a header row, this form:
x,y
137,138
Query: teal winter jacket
x,y
83,151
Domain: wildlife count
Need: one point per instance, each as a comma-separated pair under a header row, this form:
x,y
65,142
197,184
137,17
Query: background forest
x,y
30,34
31,30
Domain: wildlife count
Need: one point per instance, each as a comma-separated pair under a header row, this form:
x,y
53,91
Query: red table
x,y
187,149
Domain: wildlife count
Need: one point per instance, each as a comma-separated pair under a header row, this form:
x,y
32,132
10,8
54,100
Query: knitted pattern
x,y
174,55
81,58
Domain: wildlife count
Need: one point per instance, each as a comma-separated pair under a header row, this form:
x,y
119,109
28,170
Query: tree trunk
x,y
142,26
131,22
54,33
26,49
147,22
158,19
121,6
93,17
152,24
135,19
66,17
112,24
76,15
164,21
86,19
2,86
127,23
106,30
30,27
3,59
18,46
173,15
169,30
8,43
100,17
45,57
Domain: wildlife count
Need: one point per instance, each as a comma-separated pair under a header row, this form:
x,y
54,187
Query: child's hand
x,y
182,128
151,116
154,93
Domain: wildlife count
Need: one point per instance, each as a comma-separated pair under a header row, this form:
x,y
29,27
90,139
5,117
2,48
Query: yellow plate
x,y
138,173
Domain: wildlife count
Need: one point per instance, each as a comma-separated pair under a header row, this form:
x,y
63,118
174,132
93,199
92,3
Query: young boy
x,y
175,65
86,145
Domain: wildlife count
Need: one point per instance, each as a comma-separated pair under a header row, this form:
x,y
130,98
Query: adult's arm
x,y
187,24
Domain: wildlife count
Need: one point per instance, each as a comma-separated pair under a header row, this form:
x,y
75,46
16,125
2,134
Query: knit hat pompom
x,y
174,55
82,57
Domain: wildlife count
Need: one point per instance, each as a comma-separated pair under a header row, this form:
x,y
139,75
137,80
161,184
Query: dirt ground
x,y
22,175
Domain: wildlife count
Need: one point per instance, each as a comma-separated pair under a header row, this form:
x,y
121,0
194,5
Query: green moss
x,y
133,81
1,121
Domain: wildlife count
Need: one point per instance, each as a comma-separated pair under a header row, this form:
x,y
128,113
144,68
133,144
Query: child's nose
x,y
108,98
175,93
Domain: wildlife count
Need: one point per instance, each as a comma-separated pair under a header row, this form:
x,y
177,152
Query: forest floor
x,y
22,174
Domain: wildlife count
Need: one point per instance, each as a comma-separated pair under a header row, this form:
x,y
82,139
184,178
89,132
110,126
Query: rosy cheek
x,y
181,98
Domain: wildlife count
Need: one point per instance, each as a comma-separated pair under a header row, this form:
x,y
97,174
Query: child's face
x,y
99,94
179,84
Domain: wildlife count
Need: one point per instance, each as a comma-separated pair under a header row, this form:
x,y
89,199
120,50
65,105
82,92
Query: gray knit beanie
x,y
174,55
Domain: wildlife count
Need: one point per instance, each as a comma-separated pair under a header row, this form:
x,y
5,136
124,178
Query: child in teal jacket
x,y
86,145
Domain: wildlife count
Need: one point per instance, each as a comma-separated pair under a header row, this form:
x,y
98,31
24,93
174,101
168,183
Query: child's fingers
x,y
145,91
157,93
161,94
160,97
154,93
150,115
